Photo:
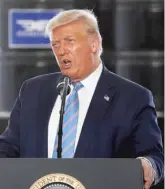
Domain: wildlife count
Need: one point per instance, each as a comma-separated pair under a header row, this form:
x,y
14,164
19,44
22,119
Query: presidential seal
x,y
57,181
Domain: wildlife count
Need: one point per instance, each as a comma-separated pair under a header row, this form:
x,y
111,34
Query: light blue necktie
x,y
70,121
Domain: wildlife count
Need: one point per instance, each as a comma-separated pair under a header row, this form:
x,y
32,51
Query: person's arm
x,y
10,138
147,139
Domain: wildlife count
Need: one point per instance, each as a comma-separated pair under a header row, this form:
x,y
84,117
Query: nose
x,y
62,49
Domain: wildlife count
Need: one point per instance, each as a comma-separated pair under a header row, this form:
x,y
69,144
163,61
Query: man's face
x,y
74,50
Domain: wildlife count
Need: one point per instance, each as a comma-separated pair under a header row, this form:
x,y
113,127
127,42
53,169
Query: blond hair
x,y
68,16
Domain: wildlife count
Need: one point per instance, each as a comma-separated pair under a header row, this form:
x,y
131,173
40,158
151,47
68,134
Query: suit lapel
x,y
46,102
101,100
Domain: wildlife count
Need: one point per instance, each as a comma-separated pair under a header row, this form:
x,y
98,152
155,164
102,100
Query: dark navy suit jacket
x,y
120,123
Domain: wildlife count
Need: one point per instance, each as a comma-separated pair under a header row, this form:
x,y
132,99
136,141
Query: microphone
x,y
63,89
63,82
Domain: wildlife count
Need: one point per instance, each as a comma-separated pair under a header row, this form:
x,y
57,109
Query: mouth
x,y
66,64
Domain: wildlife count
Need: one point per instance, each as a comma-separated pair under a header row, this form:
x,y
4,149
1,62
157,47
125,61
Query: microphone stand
x,y
60,131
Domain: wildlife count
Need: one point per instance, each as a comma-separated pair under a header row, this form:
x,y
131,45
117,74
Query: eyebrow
x,y
64,37
69,36
55,41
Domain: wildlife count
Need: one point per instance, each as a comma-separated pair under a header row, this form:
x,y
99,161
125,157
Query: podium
x,y
70,173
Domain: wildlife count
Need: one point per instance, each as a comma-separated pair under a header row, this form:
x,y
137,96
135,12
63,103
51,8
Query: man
x,y
106,116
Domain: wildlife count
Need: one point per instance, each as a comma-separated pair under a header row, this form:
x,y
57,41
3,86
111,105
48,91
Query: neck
x,y
96,62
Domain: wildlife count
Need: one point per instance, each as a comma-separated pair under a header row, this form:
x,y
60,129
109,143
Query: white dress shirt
x,y
85,95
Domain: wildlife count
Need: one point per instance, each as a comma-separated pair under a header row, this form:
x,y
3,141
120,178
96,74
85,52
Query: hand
x,y
148,173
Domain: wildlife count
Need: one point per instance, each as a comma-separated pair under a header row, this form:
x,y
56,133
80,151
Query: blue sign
x,y
27,27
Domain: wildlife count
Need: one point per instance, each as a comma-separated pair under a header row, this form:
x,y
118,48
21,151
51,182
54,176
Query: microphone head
x,y
61,83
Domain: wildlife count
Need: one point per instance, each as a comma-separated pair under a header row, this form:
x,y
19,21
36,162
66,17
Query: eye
x,y
55,45
69,40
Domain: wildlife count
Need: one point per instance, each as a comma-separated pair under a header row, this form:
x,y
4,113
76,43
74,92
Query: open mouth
x,y
66,63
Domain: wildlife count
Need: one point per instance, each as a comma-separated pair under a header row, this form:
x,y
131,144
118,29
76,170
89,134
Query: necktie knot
x,y
77,86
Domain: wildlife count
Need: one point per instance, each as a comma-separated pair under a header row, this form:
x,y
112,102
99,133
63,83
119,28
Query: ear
x,y
95,44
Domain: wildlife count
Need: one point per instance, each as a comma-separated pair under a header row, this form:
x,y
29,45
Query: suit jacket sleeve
x,y
147,135
9,140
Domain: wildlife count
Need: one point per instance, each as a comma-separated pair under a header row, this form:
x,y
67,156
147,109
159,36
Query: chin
x,y
71,74
65,72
